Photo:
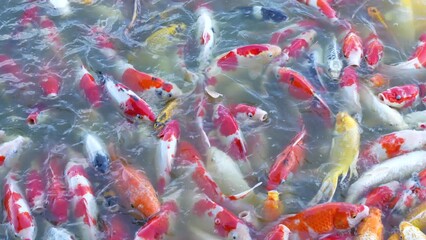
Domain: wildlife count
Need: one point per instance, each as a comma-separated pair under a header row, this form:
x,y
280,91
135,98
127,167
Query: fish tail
x,y
243,194
327,189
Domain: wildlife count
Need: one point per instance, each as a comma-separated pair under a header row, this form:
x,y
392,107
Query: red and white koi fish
x,y
10,151
417,60
214,218
9,66
166,152
34,190
348,91
49,29
252,57
285,32
416,120
116,228
400,96
57,196
160,225
323,6
412,193
229,132
393,169
287,162
391,145
40,116
296,47
83,201
247,112
301,89
279,232
16,209
373,50
88,85
382,196
206,30
325,218
352,48
50,83
30,17
131,105
201,105
63,6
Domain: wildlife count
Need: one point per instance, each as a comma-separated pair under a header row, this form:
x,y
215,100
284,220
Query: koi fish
x,y
301,43
206,30
219,220
160,225
371,227
379,113
10,151
34,190
333,59
263,13
163,38
325,218
348,92
412,192
374,13
88,85
416,120
52,36
280,232
166,151
343,155
246,112
373,50
272,207
57,196
134,189
117,229
391,145
96,152
410,232
166,114
400,96
323,6
83,201
287,162
382,196
352,48
131,105
417,60
229,132
392,169
16,209
417,216
50,84
315,66
285,32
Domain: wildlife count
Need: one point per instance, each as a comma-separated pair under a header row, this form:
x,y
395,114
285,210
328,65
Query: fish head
x,y
171,130
168,91
349,215
349,77
259,115
373,51
400,96
335,68
344,122
241,232
138,110
373,12
373,221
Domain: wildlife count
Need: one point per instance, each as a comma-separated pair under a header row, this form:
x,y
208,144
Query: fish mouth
x,y
382,97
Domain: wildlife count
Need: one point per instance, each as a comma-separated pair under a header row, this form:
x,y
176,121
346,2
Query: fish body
x,y
352,49
280,232
410,232
52,36
416,120
263,13
371,227
391,145
272,207
325,218
96,152
83,201
166,114
10,151
50,84
58,233
349,91
299,44
229,132
161,225
283,34
287,162
382,197
34,190
417,60
412,192
162,38
131,105
323,6
16,209
400,96
206,32
343,155
247,112
393,169
219,220
373,50
333,59
88,85
166,151
56,191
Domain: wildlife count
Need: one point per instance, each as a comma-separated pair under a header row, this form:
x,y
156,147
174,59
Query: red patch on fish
x,y
225,122
212,81
229,62
373,51
2,159
403,95
203,206
91,89
349,77
251,50
392,144
296,47
170,132
81,210
276,37
167,87
19,220
205,38
225,222
205,183
135,107
298,86
50,85
380,197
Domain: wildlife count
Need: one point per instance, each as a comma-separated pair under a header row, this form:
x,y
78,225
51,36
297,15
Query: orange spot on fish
x,y
392,144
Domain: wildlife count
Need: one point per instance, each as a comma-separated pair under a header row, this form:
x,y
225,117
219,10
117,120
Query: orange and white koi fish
x,y
83,202
393,169
371,227
88,85
206,31
229,132
216,219
247,112
10,151
323,6
373,50
391,145
131,105
287,162
352,48
166,152
160,225
325,218
280,232
400,96
16,209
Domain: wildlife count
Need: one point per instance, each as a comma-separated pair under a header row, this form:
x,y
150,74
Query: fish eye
x,y
169,95
353,215
270,55
250,115
398,97
217,221
139,116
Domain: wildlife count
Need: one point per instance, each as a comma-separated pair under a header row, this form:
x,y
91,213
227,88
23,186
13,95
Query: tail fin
x,y
242,195
328,188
